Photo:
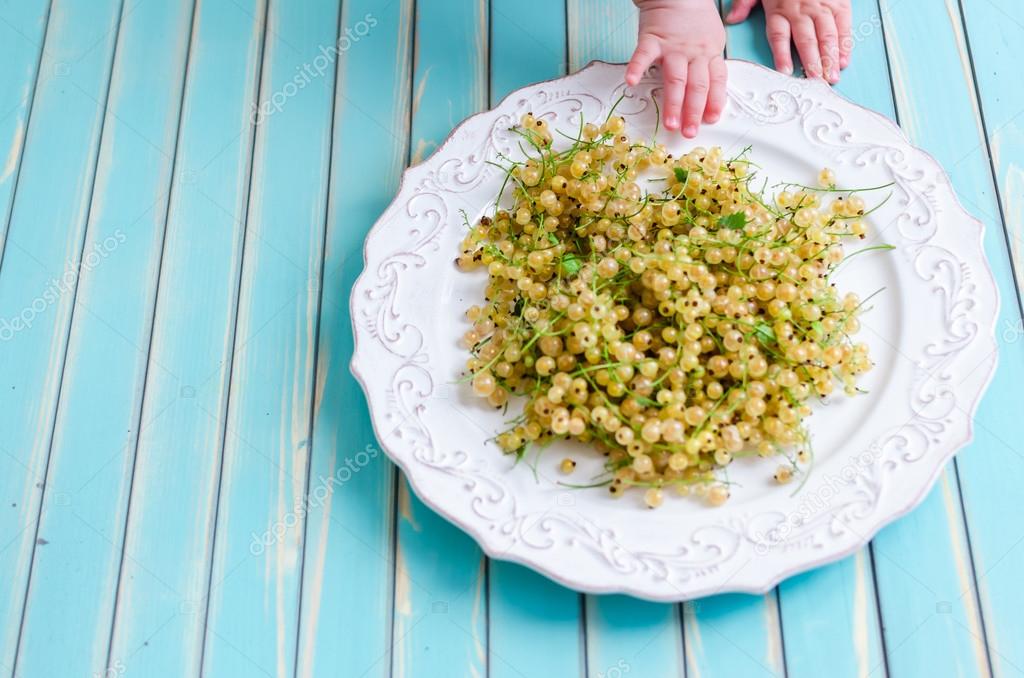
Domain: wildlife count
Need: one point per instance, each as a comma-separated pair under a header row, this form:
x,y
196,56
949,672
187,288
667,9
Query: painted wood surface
x,y
100,399
252,611
42,255
348,561
190,482
159,621
21,49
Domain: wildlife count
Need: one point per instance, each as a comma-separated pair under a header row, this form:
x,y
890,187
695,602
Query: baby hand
x,y
821,30
687,37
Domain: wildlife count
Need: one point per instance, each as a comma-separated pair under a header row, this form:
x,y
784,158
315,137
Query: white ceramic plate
x,y
931,334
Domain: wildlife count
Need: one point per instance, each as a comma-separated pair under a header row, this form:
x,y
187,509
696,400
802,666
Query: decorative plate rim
x,y
769,579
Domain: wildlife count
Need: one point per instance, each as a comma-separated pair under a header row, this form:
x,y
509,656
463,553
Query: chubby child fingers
x,y
697,86
806,41
828,45
844,24
674,72
718,76
740,10
778,31
648,50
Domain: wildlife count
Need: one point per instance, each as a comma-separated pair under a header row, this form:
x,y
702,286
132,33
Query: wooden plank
x,y
600,29
254,596
830,617
992,468
643,635
924,568
524,49
733,635
535,626
930,615
22,32
440,596
627,636
992,31
348,550
74,575
158,624
830,614
41,260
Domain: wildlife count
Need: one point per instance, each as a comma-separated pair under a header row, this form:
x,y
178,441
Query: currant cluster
x,y
674,329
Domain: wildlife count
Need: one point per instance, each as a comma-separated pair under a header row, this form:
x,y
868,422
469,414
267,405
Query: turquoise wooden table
x,y
188,477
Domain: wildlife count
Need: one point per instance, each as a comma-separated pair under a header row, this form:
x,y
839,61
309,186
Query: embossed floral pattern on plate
x,y
932,336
